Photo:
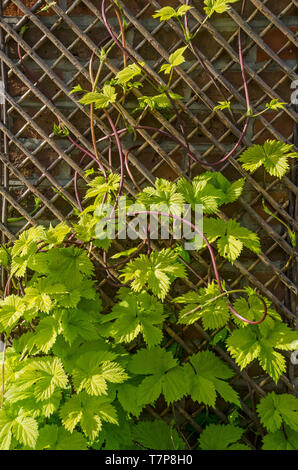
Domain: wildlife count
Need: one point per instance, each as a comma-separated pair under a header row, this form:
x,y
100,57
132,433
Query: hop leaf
x,y
164,376
24,249
45,335
275,105
92,371
223,105
274,155
253,310
76,323
209,379
157,435
100,100
277,441
158,101
211,189
76,89
11,310
55,235
98,188
231,237
175,59
166,13
24,428
128,73
134,314
225,190
200,305
53,437
217,6
163,197
38,297
69,263
183,10
89,412
39,379
85,229
221,437
27,241
260,342
277,409
199,192
156,272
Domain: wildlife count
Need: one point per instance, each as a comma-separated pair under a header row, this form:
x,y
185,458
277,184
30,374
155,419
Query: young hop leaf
x,y
55,235
24,250
221,437
85,229
60,130
47,7
274,155
175,59
231,237
132,315
253,310
155,272
40,296
128,73
217,6
275,105
99,188
158,101
76,89
125,253
164,197
229,192
201,305
211,189
274,410
167,13
199,192
209,379
222,105
100,100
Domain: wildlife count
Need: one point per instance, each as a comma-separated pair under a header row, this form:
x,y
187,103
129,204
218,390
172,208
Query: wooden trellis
x,y
56,49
